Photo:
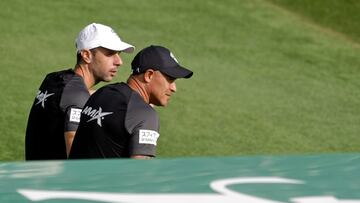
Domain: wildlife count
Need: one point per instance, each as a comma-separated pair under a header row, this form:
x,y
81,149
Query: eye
x,y
108,52
112,53
170,79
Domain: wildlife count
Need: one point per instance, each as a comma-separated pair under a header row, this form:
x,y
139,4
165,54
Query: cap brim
x,y
120,46
178,72
127,48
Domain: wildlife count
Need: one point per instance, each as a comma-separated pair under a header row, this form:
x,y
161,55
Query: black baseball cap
x,y
161,59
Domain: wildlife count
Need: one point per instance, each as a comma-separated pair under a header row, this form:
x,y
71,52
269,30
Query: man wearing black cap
x,y
118,120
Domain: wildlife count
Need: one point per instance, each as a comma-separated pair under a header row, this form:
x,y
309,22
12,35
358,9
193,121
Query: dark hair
x,y
79,58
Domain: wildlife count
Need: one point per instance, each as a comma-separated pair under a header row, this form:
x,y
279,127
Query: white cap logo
x,y
172,56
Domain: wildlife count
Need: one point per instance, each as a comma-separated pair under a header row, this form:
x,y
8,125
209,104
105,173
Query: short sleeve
x,y
73,100
142,123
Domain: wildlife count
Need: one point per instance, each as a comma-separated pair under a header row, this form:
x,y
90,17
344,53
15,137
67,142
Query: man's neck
x,y
138,86
86,75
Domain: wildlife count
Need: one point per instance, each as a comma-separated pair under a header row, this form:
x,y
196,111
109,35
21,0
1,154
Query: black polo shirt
x,y
56,109
116,122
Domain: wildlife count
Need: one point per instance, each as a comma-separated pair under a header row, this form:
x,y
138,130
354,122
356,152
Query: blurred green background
x,y
270,76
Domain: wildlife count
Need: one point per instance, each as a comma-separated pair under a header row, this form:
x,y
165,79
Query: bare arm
x,y
69,137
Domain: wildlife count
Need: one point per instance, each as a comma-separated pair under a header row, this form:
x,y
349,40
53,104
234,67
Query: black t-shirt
x,y
116,122
56,109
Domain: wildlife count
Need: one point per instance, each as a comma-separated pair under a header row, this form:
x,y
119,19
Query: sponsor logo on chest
x,y
95,114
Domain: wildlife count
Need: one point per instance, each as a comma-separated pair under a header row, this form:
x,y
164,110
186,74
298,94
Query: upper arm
x,y
69,137
142,123
72,101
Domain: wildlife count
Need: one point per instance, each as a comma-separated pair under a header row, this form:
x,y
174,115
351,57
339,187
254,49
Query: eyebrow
x,y
168,76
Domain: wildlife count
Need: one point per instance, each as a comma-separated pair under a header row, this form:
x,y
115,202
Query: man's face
x,y
104,64
161,89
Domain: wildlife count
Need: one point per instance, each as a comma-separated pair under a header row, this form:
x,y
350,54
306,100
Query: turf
x,y
270,77
333,15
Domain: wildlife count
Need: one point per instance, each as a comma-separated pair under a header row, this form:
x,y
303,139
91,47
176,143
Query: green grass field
x,y
270,76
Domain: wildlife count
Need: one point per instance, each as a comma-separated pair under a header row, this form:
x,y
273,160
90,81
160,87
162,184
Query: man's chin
x,y
163,104
108,79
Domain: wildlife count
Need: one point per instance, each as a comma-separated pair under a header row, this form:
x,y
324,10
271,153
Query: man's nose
x,y
173,87
118,60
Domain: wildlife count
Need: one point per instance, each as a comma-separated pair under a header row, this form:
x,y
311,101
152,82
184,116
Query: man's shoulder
x,y
61,73
63,76
138,107
140,115
119,86
114,91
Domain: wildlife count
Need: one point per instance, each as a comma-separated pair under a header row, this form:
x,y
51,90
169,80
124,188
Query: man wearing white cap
x,y
55,114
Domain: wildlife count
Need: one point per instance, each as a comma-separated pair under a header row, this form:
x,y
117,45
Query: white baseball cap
x,y
98,35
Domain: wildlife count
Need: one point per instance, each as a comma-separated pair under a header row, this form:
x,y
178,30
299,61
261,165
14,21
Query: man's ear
x,y
148,75
86,55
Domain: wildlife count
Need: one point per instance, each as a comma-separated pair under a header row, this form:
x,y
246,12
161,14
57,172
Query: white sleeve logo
x,y
148,137
75,115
